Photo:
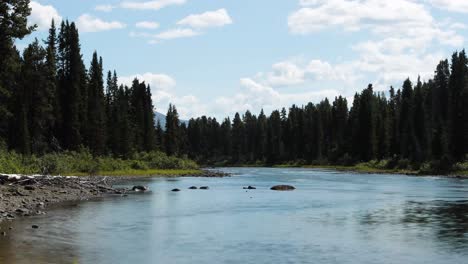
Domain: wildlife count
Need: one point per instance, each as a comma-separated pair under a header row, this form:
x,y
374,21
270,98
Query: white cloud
x,y
353,15
285,73
255,96
104,8
163,89
147,25
396,18
177,33
155,80
451,5
150,5
88,23
208,19
42,15
403,38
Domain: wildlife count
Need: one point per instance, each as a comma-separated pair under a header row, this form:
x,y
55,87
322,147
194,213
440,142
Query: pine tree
x,y
72,87
237,139
54,99
38,98
96,123
171,133
439,111
408,139
457,85
13,25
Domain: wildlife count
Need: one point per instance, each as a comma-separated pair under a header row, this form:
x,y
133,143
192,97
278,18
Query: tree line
x,y
421,122
50,101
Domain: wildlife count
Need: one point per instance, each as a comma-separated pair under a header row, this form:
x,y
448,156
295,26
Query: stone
x,y
176,190
204,188
22,211
283,188
140,189
34,226
193,188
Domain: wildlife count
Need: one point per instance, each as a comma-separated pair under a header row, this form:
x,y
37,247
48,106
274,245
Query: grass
x,y
371,168
83,163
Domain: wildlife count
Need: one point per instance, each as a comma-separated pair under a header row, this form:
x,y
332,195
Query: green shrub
x,y
84,162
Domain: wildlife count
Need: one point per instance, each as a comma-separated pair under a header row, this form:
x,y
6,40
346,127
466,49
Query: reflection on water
x,y
330,218
445,221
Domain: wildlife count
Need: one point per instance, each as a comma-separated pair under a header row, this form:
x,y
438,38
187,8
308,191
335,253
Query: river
x,y
332,217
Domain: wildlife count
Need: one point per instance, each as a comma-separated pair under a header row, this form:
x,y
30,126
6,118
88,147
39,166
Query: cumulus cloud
x,y
255,96
155,80
88,23
104,8
147,25
42,15
163,90
150,5
404,39
208,19
177,33
460,6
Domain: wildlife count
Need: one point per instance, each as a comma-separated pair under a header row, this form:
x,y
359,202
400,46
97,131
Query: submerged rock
x,y
140,189
283,188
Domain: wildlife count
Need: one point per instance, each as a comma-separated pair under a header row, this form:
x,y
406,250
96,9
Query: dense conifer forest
x,y
51,102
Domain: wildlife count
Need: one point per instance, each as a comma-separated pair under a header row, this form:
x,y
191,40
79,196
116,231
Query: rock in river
x,y
140,189
176,190
283,188
193,188
204,188
250,188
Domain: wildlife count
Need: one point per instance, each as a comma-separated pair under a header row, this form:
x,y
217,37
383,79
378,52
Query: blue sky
x,y
216,57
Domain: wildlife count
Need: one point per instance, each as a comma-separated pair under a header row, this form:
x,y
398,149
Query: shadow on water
x,y
445,221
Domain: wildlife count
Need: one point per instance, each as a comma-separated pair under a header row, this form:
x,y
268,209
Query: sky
x,y
218,57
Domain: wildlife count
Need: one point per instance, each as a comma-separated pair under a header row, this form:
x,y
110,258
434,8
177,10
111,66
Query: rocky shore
x,y
27,195
30,195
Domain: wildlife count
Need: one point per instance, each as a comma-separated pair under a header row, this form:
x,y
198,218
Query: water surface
x,y
332,217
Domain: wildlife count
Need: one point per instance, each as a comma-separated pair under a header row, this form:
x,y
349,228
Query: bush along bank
x,y
82,163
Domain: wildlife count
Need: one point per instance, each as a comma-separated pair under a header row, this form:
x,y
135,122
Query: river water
x,y
332,217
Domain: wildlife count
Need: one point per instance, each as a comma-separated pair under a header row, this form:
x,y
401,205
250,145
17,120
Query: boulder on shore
x,y
283,188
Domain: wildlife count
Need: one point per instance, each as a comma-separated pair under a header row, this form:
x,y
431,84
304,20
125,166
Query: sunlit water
x,y
331,218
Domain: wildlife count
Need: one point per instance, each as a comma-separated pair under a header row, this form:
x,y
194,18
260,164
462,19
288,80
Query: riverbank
x,y
461,169
155,173
31,195
28,195
362,168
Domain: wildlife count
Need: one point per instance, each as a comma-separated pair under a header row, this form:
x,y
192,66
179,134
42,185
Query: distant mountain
x,y
162,119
